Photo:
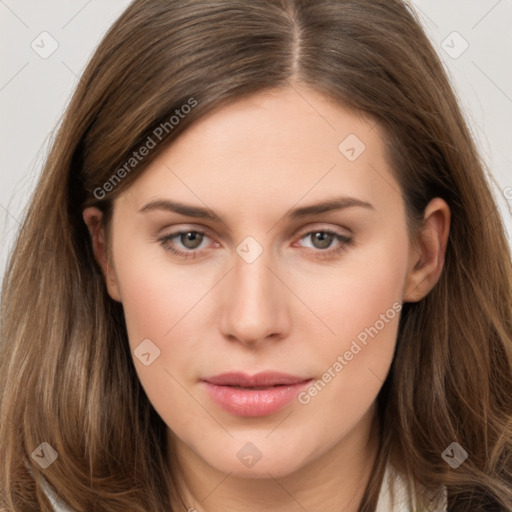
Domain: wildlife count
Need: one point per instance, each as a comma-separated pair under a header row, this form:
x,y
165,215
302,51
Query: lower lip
x,y
254,402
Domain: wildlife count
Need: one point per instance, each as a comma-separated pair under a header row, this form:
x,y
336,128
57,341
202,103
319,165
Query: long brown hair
x,y
67,377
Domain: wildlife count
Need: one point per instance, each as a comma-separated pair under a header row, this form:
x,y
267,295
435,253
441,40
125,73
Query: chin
x,y
259,459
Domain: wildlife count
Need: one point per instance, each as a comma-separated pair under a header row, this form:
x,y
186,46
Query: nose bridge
x,y
253,281
254,306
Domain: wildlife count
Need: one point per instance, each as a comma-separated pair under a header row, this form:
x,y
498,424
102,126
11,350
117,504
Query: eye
x,y
186,243
325,242
321,239
189,243
190,239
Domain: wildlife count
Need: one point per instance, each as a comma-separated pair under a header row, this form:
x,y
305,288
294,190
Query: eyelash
x,y
321,253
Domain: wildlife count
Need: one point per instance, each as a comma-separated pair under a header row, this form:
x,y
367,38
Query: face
x,y
270,237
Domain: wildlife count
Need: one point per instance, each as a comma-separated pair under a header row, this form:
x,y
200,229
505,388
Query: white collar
x,y
57,503
395,497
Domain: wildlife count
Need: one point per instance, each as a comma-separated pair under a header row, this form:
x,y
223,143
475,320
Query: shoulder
x,y
395,495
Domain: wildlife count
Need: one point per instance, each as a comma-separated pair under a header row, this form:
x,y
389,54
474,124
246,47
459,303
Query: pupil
x,y
191,240
324,240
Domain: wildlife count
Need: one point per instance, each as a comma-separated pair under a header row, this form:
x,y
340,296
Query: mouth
x,y
255,387
262,394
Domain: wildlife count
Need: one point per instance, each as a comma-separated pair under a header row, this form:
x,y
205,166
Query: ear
x,y
426,256
93,218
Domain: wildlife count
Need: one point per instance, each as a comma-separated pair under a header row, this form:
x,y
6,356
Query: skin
x,y
290,310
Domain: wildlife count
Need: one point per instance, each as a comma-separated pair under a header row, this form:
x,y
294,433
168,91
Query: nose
x,y
254,306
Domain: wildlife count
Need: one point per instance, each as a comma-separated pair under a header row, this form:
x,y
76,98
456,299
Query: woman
x,y
262,268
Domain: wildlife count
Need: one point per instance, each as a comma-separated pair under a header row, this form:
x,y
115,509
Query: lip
x,y
235,392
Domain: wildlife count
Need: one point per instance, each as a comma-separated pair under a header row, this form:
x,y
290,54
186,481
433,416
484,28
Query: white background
x,y
34,91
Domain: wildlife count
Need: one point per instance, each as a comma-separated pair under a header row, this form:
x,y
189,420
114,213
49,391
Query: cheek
x,y
363,291
361,304
157,295
162,303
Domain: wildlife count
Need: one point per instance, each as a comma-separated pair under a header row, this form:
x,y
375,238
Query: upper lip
x,y
256,380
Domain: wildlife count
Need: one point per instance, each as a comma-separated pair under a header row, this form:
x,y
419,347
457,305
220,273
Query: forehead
x,y
274,148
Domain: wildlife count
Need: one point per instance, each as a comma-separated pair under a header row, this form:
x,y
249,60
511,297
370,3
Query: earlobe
x,y
93,219
428,253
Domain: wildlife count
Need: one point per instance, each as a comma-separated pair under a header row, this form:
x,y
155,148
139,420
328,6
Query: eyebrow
x,y
181,208
334,204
